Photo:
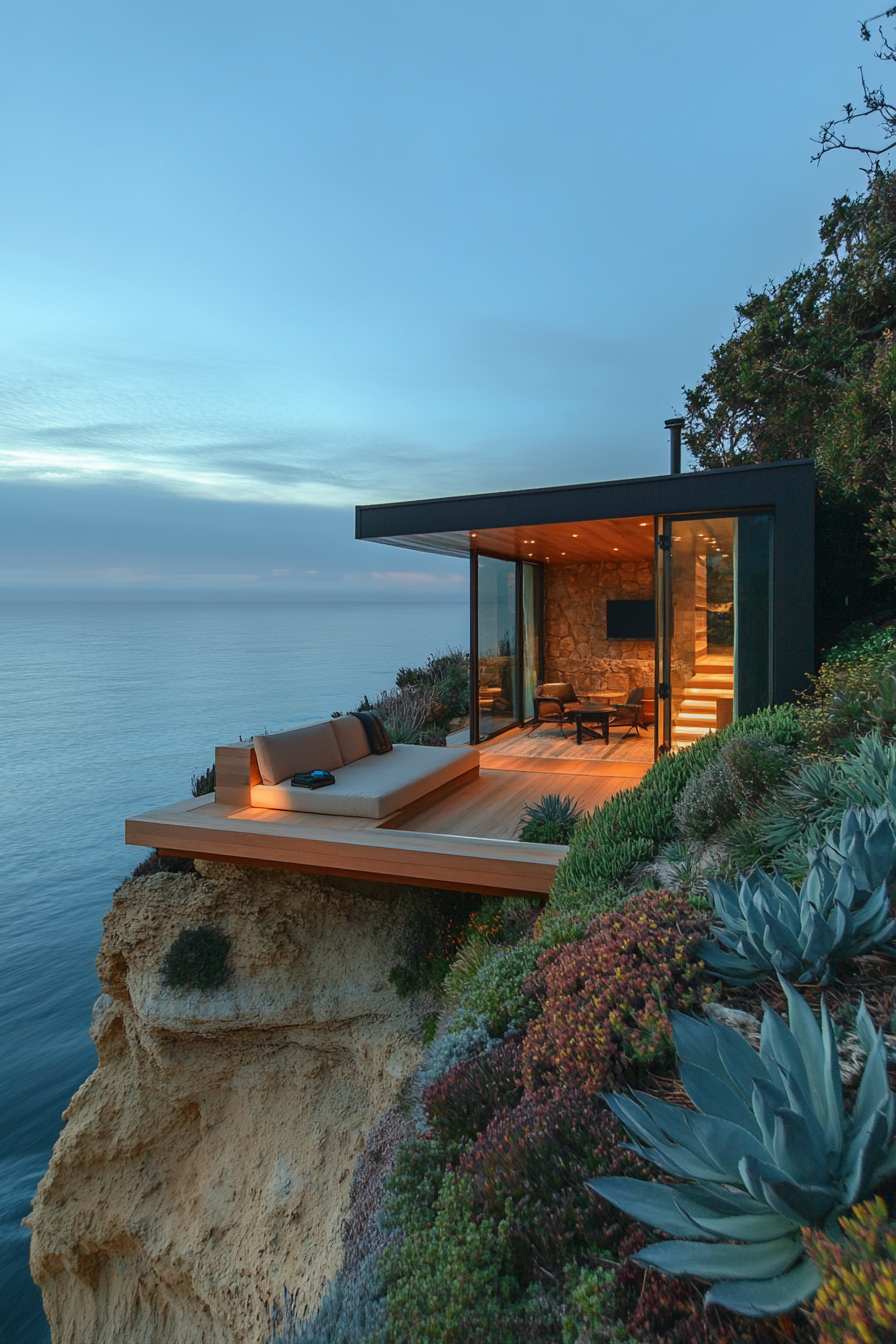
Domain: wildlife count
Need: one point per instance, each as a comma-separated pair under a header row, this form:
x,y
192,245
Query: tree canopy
x,y
810,370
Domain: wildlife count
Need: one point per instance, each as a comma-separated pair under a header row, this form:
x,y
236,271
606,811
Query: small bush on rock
x,y
204,783
162,863
197,959
608,996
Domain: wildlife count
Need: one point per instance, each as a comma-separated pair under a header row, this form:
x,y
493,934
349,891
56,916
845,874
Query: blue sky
x,y
261,262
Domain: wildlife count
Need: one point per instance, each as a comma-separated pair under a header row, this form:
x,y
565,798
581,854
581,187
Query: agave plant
x,y
842,909
550,821
768,1151
865,843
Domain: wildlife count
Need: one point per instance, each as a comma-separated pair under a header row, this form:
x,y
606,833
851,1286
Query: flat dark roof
x,y
443,525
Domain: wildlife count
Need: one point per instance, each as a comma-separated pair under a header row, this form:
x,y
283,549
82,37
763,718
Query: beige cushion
x,y
374,786
351,737
281,755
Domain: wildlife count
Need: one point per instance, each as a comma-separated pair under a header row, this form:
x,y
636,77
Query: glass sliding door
x,y
714,636
531,606
498,688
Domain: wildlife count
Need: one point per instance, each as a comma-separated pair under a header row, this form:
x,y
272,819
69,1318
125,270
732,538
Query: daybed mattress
x,y
373,786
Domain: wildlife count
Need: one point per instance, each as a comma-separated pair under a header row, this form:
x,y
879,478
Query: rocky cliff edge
x,y
205,1165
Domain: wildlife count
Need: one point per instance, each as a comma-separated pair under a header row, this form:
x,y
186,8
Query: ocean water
x,y
108,709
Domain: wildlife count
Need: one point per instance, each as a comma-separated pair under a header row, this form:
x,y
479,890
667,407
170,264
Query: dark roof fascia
x,y
765,485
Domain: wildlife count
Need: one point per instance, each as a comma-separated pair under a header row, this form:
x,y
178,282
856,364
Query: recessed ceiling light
x,y
474,534
615,548
562,552
642,524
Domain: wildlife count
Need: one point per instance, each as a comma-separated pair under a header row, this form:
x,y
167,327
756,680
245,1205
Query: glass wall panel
x,y
716,640
531,636
752,613
498,687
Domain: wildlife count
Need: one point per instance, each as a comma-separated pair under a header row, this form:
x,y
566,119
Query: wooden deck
x,y
461,838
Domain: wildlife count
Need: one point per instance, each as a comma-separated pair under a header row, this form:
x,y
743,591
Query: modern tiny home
x,y
696,588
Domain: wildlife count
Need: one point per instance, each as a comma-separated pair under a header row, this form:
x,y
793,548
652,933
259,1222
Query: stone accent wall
x,y
575,625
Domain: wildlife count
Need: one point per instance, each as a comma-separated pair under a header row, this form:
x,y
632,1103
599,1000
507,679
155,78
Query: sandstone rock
x,y
206,1163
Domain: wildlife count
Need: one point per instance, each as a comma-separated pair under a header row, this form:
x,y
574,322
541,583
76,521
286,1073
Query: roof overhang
x,y
536,523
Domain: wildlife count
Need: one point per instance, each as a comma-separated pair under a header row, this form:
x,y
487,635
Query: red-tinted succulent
x,y
606,998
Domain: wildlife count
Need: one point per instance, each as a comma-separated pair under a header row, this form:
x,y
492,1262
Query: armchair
x,y
555,701
630,713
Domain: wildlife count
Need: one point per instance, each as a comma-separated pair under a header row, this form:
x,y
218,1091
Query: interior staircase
x,y
708,702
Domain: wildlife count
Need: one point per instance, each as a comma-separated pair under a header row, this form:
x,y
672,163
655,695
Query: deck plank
x,y
494,804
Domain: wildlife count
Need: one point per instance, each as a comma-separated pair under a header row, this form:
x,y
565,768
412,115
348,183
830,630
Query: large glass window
x,y
498,683
715,638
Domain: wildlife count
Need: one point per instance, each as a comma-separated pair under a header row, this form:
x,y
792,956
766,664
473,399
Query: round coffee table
x,y
591,714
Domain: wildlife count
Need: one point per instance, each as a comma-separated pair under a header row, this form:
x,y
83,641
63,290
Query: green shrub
x,y
197,959
446,677
204,783
591,1307
550,821
162,863
861,644
856,1303
742,775
495,991
434,926
630,829
816,796
448,1283
529,1168
854,691
608,996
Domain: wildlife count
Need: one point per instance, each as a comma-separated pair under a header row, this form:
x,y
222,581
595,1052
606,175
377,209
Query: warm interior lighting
x,y
575,534
615,548
642,524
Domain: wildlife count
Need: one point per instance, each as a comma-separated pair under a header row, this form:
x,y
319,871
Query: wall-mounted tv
x,y
631,620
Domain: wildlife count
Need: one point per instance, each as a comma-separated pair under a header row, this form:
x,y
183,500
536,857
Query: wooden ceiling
x,y
571,543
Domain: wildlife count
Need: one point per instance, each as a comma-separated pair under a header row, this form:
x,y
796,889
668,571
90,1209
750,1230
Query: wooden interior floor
x,y
549,744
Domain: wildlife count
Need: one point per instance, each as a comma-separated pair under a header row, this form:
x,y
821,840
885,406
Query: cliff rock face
x,y
206,1164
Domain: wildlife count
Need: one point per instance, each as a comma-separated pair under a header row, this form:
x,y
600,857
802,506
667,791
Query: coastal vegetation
x,y
744,1190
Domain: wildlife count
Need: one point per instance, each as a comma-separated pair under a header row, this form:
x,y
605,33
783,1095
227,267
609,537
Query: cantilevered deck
x,y
461,839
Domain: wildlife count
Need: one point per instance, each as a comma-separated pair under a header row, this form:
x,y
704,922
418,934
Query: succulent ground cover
x,y
516,1212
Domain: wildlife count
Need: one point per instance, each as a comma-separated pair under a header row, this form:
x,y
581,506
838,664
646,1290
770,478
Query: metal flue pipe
x,y
675,427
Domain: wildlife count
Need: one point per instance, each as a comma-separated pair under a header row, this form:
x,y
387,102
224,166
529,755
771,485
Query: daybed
x,y
367,785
